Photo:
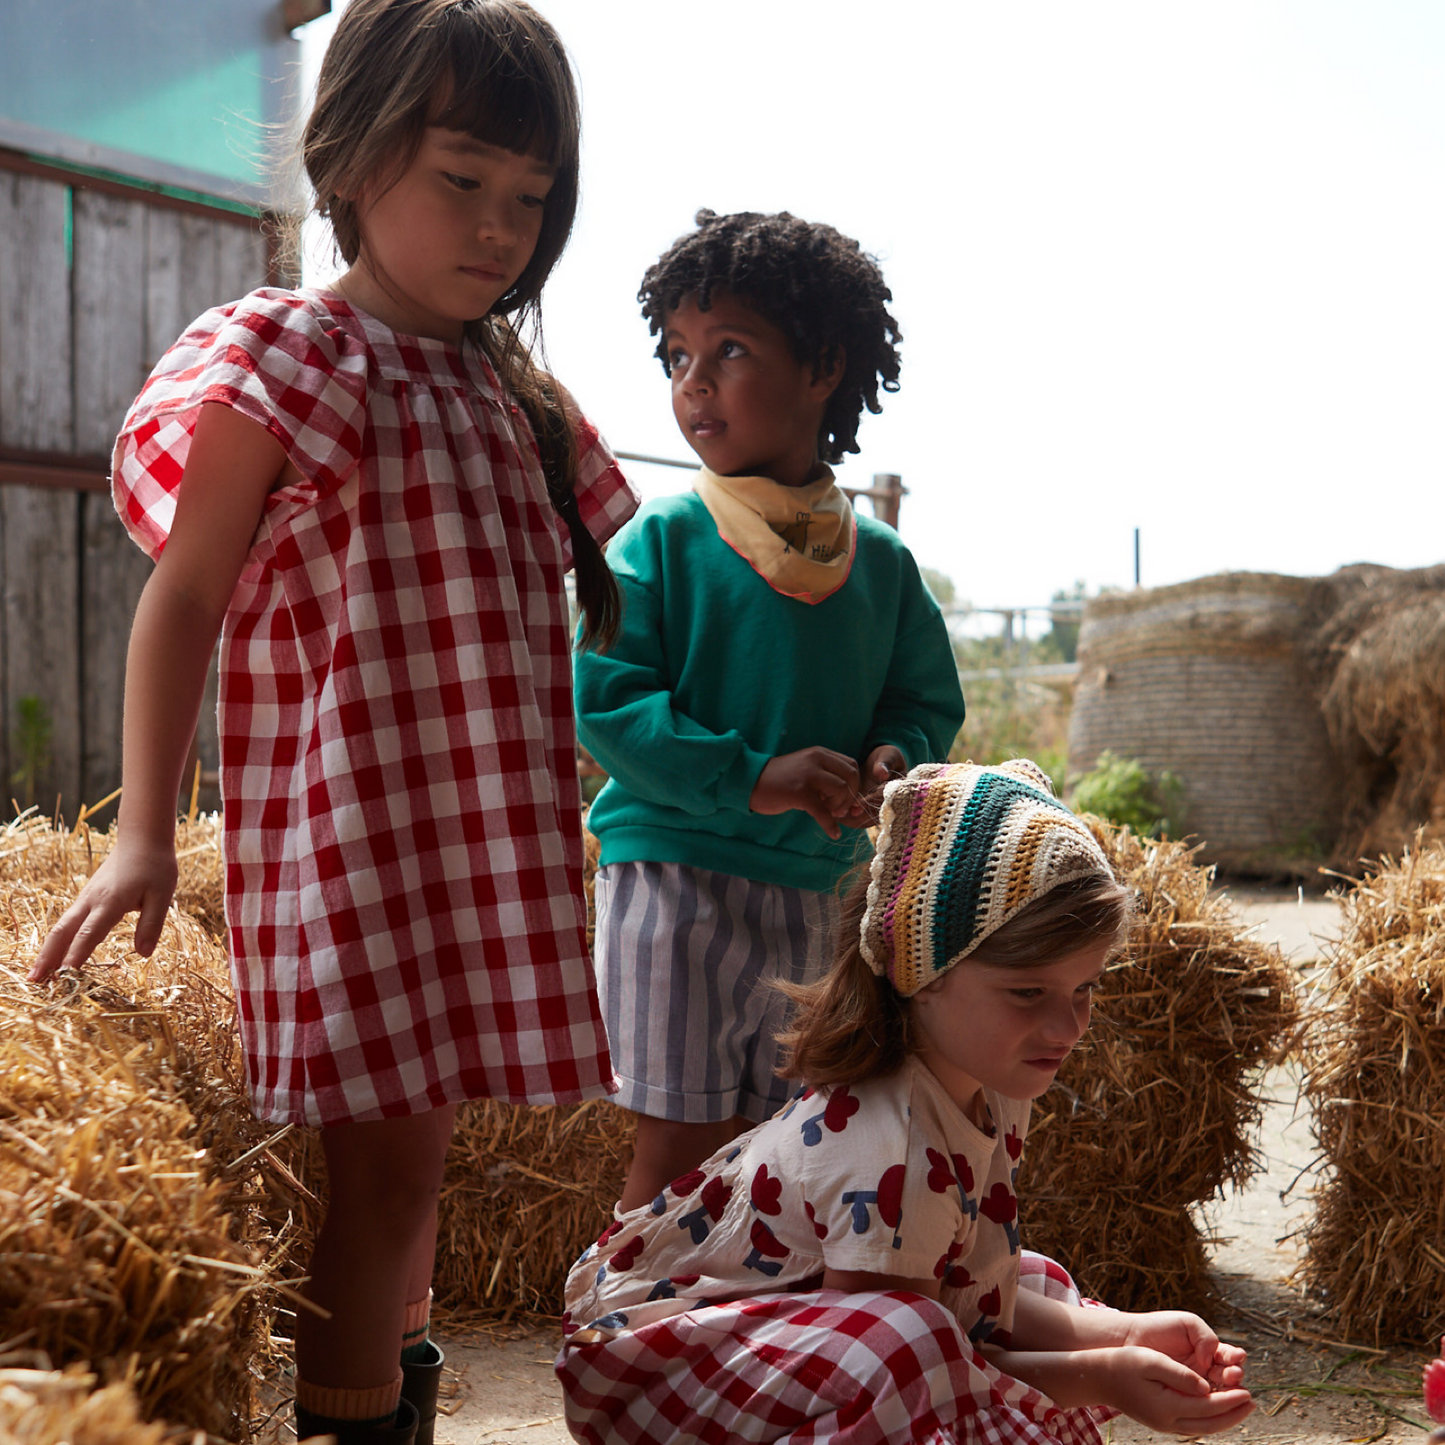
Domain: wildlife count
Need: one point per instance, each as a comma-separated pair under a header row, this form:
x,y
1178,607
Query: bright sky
x,y
1171,266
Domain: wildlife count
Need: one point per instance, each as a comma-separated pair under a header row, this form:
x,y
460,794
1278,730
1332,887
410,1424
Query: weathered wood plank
x,y
163,301
109,281
200,278
240,259
39,528
35,381
195,263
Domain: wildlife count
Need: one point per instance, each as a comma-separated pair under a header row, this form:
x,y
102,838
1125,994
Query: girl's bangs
x,y
498,104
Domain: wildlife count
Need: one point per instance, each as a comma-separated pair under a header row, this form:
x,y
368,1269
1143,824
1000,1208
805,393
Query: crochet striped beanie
x,y
961,849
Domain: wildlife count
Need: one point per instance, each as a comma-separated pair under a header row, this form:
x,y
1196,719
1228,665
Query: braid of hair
x,y
542,401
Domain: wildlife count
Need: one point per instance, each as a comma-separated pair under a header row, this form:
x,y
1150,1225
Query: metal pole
x,y
1136,556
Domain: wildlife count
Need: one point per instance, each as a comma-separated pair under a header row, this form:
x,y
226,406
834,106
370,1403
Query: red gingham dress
x,y
402,832
874,1368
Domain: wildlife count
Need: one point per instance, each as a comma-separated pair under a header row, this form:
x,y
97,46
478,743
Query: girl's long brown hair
x,y
851,1025
496,70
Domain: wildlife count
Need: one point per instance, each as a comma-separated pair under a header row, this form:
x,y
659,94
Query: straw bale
x,y
51,1407
1157,1111
126,1245
1380,655
527,1190
1375,1083
1186,1017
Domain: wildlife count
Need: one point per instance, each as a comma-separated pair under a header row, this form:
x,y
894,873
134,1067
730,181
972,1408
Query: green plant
x,y
1124,791
30,745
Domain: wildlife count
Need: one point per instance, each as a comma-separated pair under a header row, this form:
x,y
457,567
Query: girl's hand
x,y
1186,1338
134,876
1164,1394
817,781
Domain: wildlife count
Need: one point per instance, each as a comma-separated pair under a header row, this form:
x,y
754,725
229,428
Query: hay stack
x,y
1185,1020
525,1189
1381,657
1154,1114
125,1245
47,1407
1375,1082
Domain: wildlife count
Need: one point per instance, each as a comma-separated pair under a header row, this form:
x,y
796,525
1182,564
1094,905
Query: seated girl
x,y
851,1269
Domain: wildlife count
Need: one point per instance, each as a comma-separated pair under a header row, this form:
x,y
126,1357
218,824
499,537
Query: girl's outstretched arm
x,y
232,465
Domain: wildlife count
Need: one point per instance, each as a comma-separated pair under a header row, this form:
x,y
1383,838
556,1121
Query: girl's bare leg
x,y
376,1248
666,1148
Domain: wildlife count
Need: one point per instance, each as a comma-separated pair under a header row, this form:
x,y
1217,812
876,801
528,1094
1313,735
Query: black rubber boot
x,y
419,1384
400,1431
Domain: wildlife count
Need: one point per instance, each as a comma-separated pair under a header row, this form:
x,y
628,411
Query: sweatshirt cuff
x,y
909,748
736,783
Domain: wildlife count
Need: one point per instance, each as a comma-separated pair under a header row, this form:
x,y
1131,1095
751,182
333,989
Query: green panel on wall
x,y
200,84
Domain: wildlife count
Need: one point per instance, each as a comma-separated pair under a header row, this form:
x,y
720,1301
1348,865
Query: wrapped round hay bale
x,y
1212,681
1374,1051
1382,653
1155,1112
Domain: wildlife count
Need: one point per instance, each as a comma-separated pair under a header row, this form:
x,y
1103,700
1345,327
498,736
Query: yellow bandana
x,y
799,540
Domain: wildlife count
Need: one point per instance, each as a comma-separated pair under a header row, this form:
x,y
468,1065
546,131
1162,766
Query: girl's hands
x,y
1186,1338
1160,1392
134,876
817,781
1166,1369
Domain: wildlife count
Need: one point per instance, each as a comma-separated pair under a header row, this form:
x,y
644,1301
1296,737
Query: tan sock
x,y
415,1330
376,1402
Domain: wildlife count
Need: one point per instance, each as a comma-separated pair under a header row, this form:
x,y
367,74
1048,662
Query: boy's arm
x,y
230,468
920,708
628,719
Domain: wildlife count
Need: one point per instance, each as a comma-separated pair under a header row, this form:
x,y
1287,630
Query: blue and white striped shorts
x,y
685,957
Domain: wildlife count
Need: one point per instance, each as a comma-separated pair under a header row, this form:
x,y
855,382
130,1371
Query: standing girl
x,y
373,494
851,1270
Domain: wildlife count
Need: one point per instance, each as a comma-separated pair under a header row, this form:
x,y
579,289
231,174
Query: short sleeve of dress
x,y
605,497
869,1187
274,358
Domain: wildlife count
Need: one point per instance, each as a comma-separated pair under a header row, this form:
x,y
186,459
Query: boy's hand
x,y
816,781
137,877
883,763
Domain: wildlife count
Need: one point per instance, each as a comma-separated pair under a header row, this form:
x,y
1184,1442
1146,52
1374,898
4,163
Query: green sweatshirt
x,y
714,674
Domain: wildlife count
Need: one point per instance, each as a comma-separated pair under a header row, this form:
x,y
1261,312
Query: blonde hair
x,y
853,1025
496,70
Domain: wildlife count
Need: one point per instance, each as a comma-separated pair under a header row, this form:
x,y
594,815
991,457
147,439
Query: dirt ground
x,y
1309,1391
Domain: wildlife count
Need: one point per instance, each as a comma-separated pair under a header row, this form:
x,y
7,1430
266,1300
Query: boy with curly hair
x,y
779,659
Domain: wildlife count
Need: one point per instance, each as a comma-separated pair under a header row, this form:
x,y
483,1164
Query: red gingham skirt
x,y
852,1369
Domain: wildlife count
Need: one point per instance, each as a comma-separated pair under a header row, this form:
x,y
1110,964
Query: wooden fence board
x,y
111,363
39,528
80,327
